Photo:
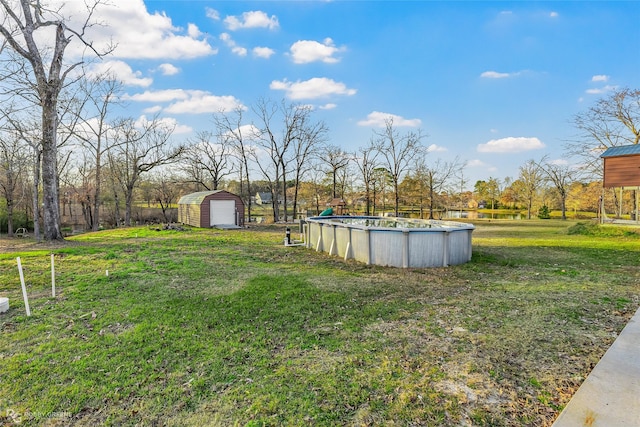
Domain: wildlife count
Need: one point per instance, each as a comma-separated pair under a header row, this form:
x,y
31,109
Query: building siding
x,y
623,171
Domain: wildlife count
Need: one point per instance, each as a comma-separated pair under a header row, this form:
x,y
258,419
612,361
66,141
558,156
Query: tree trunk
x,y
36,192
430,201
96,196
9,217
397,198
295,199
284,193
127,207
51,208
116,209
248,197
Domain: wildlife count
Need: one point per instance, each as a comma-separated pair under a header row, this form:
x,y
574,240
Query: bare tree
x,y
308,144
81,186
139,150
462,181
209,160
21,29
336,159
366,161
281,125
319,191
398,152
611,122
165,192
27,130
13,161
269,146
19,112
561,176
239,137
438,177
531,178
113,181
100,93
345,181
381,180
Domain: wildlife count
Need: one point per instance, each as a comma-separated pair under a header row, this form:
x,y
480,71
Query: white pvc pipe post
x,y
53,278
24,288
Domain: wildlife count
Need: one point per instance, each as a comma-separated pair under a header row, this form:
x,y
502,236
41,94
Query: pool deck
x,y
610,396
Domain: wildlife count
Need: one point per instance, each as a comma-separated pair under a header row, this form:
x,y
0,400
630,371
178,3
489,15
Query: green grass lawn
x,y
210,327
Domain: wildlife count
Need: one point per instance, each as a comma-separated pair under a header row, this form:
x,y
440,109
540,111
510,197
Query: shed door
x,y
222,212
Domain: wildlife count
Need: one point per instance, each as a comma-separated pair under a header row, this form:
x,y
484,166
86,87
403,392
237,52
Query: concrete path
x,y
610,396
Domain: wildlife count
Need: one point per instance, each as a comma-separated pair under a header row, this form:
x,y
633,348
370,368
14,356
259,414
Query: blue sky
x,y
495,83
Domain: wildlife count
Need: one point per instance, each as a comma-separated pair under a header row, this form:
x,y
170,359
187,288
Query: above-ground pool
x,y
395,242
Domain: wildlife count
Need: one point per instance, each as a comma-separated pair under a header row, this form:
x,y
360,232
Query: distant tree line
x,y
62,145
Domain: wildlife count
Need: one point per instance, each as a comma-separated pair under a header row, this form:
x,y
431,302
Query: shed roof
x,y
624,150
196,198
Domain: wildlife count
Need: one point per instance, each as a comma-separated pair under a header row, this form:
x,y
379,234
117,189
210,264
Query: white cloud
x,y
329,106
554,14
247,131
187,101
559,162
166,95
475,163
193,31
168,123
317,87
600,78
240,51
237,50
253,19
305,51
120,70
152,110
200,102
168,69
378,119
172,123
139,34
212,13
263,52
433,148
497,75
601,90
511,145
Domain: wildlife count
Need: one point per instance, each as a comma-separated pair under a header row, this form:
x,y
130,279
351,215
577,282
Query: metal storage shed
x,y
210,209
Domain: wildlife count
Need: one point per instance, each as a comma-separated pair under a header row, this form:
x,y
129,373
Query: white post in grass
x,y
53,278
24,288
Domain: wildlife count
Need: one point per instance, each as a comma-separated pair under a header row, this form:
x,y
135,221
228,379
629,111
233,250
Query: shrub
x,y
543,212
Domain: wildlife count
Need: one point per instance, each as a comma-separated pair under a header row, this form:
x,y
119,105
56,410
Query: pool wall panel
x,y
360,245
439,244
